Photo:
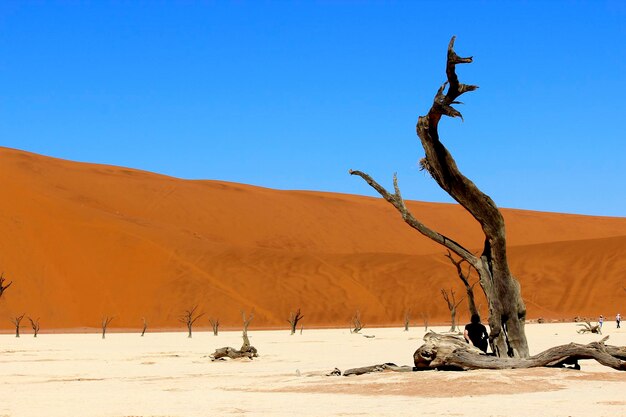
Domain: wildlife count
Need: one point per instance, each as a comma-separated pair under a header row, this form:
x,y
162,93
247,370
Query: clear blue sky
x,y
292,95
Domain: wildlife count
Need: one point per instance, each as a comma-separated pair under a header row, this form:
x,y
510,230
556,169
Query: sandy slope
x,y
83,240
167,374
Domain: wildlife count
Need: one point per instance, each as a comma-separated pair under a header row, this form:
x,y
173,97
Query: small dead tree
x,y
246,351
189,318
452,305
35,325
357,325
407,319
587,327
425,318
145,326
215,324
293,320
469,289
105,323
17,323
3,287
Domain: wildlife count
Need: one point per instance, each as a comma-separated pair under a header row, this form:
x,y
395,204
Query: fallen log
x,y
448,352
246,351
232,353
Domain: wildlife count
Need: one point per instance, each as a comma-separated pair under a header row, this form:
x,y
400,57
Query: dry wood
x,y
105,323
35,325
293,320
507,311
2,286
448,352
587,327
189,317
17,323
246,351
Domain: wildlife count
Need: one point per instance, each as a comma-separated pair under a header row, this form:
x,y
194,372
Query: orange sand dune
x,y
81,241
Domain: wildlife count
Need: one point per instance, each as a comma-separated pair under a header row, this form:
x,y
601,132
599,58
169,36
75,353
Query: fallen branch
x,y
449,352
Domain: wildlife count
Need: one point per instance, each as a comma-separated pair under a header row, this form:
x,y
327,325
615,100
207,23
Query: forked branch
x,y
398,202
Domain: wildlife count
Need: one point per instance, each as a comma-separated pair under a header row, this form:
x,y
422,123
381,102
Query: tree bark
x,y
507,311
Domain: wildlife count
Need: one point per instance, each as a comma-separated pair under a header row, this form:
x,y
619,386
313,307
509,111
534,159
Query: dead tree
x,y
35,325
246,351
106,320
407,319
215,324
469,289
452,305
145,326
294,318
189,318
2,286
105,323
507,311
425,318
587,327
357,325
448,352
17,323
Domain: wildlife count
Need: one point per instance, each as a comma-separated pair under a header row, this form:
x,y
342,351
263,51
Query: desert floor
x,y
168,374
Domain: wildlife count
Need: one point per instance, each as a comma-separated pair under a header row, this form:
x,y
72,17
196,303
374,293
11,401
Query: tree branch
x,y
397,201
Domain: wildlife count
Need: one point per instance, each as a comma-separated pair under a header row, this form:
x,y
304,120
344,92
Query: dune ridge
x,y
85,240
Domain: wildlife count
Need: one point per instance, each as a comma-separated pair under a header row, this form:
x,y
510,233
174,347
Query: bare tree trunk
x,y
293,320
16,322
246,322
507,312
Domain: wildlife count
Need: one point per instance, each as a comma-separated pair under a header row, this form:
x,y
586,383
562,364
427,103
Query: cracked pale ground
x,y
167,374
